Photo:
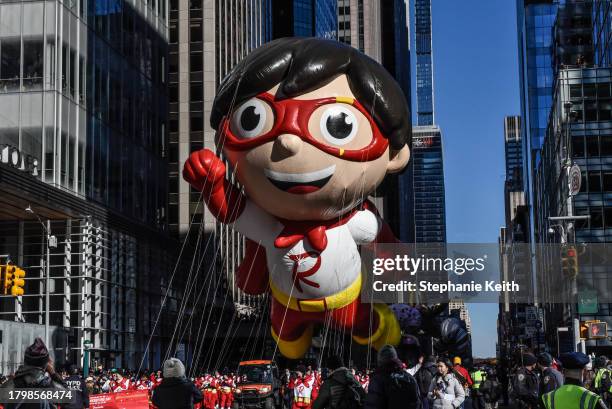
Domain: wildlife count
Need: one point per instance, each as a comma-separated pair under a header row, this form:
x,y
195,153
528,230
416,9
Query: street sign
x,y
587,302
574,180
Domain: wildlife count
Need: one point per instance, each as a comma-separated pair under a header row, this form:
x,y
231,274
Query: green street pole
x,y
86,363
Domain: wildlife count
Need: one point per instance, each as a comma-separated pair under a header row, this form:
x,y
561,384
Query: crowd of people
x,y
574,381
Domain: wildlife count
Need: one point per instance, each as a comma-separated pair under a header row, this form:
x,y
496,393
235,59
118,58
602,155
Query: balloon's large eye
x,y
249,120
338,125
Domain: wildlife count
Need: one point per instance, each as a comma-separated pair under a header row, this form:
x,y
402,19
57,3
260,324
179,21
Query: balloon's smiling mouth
x,y
300,183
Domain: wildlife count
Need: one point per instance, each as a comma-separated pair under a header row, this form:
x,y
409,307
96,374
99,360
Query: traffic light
x,y
598,330
18,282
584,330
7,280
569,261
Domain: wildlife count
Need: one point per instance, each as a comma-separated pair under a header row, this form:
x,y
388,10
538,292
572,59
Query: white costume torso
x,y
300,271
303,388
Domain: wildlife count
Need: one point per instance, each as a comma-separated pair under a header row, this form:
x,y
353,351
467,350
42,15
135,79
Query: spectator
x,y
175,391
76,384
31,375
340,389
391,387
445,390
424,375
491,390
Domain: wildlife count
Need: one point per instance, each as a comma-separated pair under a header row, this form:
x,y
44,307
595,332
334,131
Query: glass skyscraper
x,y
602,32
535,20
429,194
578,132
305,18
83,142
424,62
426,166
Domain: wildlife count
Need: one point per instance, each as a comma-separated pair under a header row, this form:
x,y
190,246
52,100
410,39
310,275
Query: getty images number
x,y
40,395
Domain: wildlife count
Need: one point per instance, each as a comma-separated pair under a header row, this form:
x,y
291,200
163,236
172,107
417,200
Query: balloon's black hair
x,y
301,65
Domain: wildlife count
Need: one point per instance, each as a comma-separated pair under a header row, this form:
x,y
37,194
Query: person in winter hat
x,y
175,391
391,387
335,387
33,375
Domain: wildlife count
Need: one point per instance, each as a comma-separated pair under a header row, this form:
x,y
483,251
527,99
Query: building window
x,y
596,219
195,62
173,93
578,146
10,57
592,147
195,32
196,123
173,125
594,182
32,64
607,181
173,63
173,34
196,92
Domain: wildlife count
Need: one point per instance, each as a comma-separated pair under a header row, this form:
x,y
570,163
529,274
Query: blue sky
x,y
476,84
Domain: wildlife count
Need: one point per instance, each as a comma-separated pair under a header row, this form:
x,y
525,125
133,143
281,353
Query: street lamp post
x,y
566,223
50,243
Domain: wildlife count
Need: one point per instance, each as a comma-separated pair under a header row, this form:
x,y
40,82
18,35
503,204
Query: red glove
x,y
206,173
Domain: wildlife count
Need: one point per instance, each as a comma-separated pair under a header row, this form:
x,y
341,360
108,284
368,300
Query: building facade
x,y
517,321
83,136
581,136
359,25
424,62
457,307
304,18
535,20
428,183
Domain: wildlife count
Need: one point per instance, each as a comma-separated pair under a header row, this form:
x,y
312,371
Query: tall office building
x,y
428,184
517,322
579,132
83,142
457,307
514,195
513,151
395,57
535,20
359,26
206,39
424,62
427,166
304,18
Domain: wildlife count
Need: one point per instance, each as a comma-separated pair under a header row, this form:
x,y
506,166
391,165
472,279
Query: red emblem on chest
x,y
300,277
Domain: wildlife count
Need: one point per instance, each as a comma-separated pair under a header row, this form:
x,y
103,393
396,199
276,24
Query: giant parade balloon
x,y
308,128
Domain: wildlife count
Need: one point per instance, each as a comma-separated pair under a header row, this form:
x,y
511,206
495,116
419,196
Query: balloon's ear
x,y
398,159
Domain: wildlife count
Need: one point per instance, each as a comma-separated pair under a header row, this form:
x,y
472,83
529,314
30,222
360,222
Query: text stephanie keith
x,y
426,286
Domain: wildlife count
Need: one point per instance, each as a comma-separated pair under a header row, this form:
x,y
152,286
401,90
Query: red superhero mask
x,y
291,116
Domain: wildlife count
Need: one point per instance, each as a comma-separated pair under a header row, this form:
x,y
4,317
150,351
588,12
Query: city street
x,y
305,204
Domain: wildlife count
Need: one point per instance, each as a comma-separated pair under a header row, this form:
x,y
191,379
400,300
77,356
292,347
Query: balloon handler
x,y
310,128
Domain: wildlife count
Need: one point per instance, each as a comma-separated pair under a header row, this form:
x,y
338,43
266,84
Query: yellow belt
x,y
331,302
301,399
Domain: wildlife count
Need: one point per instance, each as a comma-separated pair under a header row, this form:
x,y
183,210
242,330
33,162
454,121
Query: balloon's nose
x,y
289,143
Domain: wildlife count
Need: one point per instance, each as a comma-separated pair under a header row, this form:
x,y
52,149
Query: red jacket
x,y
463,372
